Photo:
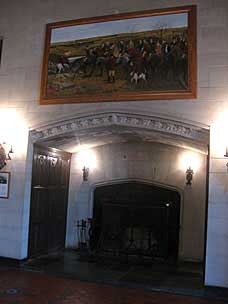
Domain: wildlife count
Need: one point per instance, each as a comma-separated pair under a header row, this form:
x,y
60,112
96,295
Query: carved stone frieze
x,y
123,120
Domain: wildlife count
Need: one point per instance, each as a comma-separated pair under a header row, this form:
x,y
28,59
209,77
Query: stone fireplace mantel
x,y
112,123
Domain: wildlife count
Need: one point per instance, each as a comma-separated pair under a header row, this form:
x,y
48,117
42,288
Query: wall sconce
x,y
86,160
189,176
85,173
5,154
190,163
226,155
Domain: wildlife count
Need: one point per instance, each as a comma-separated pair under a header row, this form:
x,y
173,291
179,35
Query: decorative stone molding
x,y
143,122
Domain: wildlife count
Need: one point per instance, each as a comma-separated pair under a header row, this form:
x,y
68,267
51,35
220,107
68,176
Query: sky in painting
x,y
133,25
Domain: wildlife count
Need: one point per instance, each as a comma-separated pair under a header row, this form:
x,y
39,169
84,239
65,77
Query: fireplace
x,y
135,219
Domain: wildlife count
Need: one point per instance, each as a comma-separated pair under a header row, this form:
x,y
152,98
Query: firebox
x,y
135,219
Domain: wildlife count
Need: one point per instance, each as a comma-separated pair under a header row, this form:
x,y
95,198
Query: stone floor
x,y
67,279
182,279
24,287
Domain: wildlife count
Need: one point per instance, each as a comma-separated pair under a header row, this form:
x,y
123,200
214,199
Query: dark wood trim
x,y
40,147
190,93
206,213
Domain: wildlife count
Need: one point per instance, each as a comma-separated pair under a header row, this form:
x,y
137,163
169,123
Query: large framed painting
x,y
135,56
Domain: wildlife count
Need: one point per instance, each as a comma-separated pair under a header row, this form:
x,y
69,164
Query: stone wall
x,y
23,28
152,163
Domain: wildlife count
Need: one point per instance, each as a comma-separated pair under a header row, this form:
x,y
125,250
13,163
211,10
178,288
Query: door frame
x,y
53,151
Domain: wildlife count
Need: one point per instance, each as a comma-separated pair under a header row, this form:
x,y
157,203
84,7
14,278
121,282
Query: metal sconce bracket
x,y
85,174
10,152
226,155
189,176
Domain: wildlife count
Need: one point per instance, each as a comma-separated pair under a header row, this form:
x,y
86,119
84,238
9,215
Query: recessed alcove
x,y
138,186
135,219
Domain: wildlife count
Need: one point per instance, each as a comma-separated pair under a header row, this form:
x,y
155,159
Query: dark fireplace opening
x,y
134,219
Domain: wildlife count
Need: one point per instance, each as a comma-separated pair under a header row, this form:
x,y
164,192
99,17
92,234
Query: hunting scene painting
x,y
142,56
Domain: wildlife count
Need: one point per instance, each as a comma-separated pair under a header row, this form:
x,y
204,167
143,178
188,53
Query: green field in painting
x,y
68,83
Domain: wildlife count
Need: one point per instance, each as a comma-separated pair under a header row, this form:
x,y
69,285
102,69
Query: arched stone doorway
x,y
138,132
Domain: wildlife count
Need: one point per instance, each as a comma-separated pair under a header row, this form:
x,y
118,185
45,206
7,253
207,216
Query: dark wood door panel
x,y
38,242
39,199
48,210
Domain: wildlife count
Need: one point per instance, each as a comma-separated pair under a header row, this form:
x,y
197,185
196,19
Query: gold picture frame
x,y
124,57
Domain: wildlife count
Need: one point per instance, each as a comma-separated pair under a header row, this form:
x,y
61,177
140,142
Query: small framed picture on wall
x,y
4,184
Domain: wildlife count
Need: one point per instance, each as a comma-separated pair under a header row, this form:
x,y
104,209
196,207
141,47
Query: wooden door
x,y
49,198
